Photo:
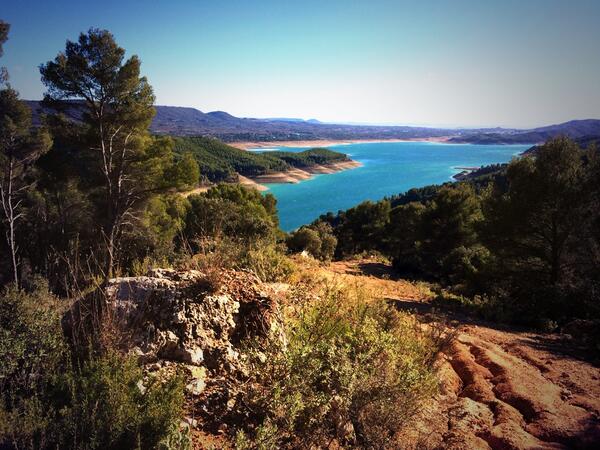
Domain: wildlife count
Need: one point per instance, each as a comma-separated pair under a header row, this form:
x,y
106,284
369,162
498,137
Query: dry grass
x,y
378,277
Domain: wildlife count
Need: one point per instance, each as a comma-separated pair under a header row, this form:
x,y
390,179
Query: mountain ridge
x,y
188,121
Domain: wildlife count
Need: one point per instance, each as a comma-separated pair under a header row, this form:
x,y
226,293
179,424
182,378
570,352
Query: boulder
x,y
176,316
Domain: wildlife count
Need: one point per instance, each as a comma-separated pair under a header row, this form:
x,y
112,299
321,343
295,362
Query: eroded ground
x,y
501,388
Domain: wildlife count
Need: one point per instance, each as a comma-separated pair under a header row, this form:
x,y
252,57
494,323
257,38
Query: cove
x,y
387,168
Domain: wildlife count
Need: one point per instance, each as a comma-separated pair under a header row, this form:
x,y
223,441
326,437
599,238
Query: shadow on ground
x,y
560,345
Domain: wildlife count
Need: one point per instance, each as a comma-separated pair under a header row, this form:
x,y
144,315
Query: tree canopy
x,y
118,109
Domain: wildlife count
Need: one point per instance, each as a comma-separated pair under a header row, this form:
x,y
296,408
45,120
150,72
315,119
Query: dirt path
x,y
501,388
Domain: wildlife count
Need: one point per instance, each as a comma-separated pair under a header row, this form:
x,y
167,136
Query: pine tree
x,y
20,146
118,109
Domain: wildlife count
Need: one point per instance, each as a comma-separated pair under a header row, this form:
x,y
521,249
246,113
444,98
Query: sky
x,y
511,63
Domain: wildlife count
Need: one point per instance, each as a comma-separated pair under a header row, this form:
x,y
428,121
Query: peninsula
x,y
220,162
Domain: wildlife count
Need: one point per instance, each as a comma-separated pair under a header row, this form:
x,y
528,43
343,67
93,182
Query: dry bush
x,y
349,369
211,255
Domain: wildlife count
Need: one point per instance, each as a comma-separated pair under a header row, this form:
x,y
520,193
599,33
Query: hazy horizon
x,y
442,64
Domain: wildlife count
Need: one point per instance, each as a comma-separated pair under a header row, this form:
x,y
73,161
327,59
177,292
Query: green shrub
x,y
304,239
269,263
50,400
316,239
347,368
112,406
233,211
32,351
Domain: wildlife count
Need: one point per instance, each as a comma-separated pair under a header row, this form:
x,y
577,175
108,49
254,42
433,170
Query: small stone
x,y
196,387
141,387
193,355
171,337
191,422
154,366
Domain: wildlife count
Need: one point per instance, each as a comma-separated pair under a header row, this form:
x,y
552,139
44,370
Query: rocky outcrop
x,y
183,320
185,317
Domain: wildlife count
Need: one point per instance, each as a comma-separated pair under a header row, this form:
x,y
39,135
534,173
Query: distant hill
x,y
183,121
574,129
583,142
229,128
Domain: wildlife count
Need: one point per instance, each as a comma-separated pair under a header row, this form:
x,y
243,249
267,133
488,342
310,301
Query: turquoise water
x,y
388,168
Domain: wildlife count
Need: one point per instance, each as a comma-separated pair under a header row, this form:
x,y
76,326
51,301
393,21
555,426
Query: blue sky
x,y
457,63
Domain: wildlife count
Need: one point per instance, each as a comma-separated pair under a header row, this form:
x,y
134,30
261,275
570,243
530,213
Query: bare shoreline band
x,y
248,145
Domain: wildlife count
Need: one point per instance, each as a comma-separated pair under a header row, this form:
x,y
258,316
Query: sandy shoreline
x,y
294,175
327,143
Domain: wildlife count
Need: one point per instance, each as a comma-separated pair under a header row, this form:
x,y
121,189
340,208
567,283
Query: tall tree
x,y
541,226
437,237
118,109
20,146
449,229
363,227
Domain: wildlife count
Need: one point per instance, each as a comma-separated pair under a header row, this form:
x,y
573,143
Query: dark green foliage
x,y
362,228
184,173
310,157
415,195
153,241
231,210
437,239
448,230
316,239
221,162
404,236
542,231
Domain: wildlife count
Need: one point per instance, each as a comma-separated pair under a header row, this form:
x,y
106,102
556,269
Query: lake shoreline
x,y
251,145
296,175
293,175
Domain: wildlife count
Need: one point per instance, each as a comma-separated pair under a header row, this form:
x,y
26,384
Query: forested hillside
x,y
221,162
